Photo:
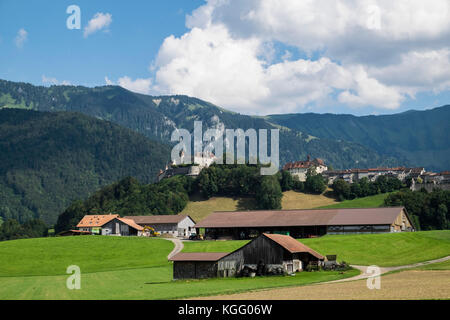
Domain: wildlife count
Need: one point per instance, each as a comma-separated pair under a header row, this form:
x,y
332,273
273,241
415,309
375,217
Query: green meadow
x,y
365,202
137,268
384,250
116,268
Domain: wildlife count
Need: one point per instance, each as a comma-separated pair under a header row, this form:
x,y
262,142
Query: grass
x,y
298,200
365,202
445,265
199,208
51,256
384,250
148,283
112,268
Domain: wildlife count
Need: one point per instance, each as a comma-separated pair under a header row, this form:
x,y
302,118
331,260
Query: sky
x,y
250,56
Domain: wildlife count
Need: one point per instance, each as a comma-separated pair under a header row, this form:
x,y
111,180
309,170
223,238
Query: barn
x,y
268,254
177,225
304,223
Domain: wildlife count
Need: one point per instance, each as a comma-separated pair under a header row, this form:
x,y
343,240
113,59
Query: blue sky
x,y
241,55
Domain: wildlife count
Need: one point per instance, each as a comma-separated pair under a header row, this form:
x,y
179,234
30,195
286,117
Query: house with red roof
x,y
110,224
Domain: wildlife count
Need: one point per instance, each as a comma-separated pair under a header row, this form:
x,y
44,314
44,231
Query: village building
x,y
198,162
110,224
265,255
304,223
300,168
177,225
354,175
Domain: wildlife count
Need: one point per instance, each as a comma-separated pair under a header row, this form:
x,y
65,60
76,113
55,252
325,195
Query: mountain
x,y
419,137
157,117
49,159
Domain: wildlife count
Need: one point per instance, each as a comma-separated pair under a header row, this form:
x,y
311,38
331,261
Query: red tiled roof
x,y
311,217
131,223
96,220
303,164
198,256
292,245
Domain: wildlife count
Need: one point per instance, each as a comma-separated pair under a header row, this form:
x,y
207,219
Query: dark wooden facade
x,y
262,255
194,269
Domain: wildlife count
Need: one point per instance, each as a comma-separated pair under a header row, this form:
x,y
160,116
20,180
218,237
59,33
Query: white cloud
x,y
138,85
370,53
53,81
98,22
21,37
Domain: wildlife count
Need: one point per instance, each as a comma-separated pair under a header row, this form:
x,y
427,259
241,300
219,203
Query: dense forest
x,y
411,136
157,117
363,188
428,210
48,160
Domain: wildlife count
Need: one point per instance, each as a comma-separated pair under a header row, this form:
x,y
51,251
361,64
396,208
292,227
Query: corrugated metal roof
x,y
292,245
173,218
198,256
311,217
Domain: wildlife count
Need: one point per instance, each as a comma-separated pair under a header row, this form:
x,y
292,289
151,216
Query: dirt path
x,y
178,246
383,270
409,285
403,285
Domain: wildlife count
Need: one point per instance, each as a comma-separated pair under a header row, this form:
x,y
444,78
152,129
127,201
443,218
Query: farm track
x,y
178,246
409,284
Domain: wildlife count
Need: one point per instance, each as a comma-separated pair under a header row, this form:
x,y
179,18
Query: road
x,y
178,246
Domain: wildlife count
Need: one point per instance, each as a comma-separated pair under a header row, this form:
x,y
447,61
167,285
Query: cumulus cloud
x,y
21,37
98,22
367,53
53,81
138,85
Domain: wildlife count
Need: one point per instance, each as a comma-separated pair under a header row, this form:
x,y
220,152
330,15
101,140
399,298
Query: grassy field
x,y
199,208
116,268
298,200
51,256
384,250
366,202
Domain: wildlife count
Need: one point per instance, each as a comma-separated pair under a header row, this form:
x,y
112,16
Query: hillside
x,y
419,137
50,159
156,117
198,208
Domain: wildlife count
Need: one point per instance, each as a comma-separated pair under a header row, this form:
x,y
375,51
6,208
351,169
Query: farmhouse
x,y
110,224
300,168
304,223
266,254
176,225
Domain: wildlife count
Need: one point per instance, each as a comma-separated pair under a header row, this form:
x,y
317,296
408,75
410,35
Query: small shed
x,y
265,255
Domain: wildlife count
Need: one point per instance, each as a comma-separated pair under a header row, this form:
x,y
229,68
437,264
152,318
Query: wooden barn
x,y
268,254
305,223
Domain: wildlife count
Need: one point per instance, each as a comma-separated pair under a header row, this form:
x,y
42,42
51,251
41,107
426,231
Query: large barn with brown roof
x,y
305,223
267,254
